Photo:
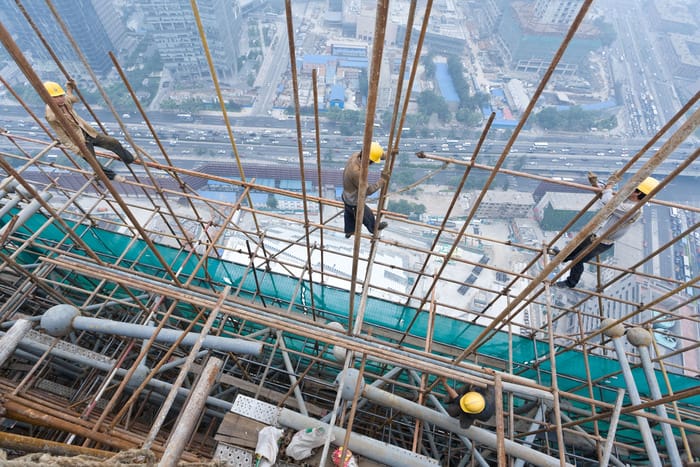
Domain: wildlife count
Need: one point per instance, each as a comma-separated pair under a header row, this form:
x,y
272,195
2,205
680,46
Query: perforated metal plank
x,y
233,456
255,409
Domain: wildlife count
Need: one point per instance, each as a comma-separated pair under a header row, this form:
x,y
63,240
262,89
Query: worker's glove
x,y
592,179
71,84
385,177
613,179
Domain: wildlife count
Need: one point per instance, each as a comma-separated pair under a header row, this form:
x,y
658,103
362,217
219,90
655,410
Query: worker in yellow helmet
x,y
471,403
87,134
351,184
611,229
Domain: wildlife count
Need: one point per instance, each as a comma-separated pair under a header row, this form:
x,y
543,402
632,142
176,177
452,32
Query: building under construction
x,y
142,317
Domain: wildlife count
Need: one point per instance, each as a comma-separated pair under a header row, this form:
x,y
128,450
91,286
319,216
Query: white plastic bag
x,y
267,446
304,441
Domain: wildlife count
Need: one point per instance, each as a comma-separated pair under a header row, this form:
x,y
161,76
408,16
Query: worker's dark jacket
x,y
466,419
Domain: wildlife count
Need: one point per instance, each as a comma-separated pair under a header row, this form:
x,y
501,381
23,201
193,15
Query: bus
x,y
187,117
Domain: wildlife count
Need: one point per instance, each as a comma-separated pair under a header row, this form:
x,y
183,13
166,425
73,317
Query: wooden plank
x,y
239,431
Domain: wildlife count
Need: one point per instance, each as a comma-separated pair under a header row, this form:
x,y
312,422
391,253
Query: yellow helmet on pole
x,y
376,152
472,402
647,185
54,89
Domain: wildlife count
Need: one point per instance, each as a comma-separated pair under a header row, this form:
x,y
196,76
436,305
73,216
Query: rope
x,y
131,458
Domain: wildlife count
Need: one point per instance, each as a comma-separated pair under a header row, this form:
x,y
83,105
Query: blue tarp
x,y
447,88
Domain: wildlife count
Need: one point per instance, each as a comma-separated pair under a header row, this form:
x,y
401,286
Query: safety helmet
x,y
54,89
375,152
647,185
472,402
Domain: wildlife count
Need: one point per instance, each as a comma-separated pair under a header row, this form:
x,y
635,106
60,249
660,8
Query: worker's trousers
x,y
576,270
109,143
368,219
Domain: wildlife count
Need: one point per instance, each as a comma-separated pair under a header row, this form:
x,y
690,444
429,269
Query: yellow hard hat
x,y
472,402
647,185
376,152
54,89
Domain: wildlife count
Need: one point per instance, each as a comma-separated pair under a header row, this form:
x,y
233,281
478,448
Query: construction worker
x,y
351,184
80,127
610,227
470,404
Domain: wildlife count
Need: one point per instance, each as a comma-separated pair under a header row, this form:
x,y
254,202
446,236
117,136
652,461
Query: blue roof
x,y
226,196
355,63
318,58
445,84
294,185
258,199
498,92
338,93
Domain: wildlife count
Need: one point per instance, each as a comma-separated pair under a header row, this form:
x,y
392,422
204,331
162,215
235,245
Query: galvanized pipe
x,y
27,212
189,417
615,333
9,205
539,417
12,338
363,445
292,378
446,422
160,386
60,319
641,338
614,419
438,406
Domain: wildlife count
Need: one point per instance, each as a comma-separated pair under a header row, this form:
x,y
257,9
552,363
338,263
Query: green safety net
x,y
331,303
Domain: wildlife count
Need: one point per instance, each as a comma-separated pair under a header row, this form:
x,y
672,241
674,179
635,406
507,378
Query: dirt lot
x,y
436,200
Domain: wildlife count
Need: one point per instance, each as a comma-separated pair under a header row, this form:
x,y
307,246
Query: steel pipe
x,y
615,333
29,444
26,212
12,338
641,338
446,422
187,421
60,319
364,445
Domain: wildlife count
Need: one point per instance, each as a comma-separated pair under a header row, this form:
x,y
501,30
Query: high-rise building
x,y
173,28
530,33
556,12
82,21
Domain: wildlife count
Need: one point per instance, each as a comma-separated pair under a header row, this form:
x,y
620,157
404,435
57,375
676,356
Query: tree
x,y
406,207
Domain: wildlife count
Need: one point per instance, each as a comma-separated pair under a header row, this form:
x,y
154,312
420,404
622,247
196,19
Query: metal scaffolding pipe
x,y
60,319
438,406
292,377
360,444
159,385
189,417
446,422
539,417
24,215
641,338
12,338
615,333
614,419
29,444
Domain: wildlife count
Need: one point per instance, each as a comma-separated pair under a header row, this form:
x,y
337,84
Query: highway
x,y
267,139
